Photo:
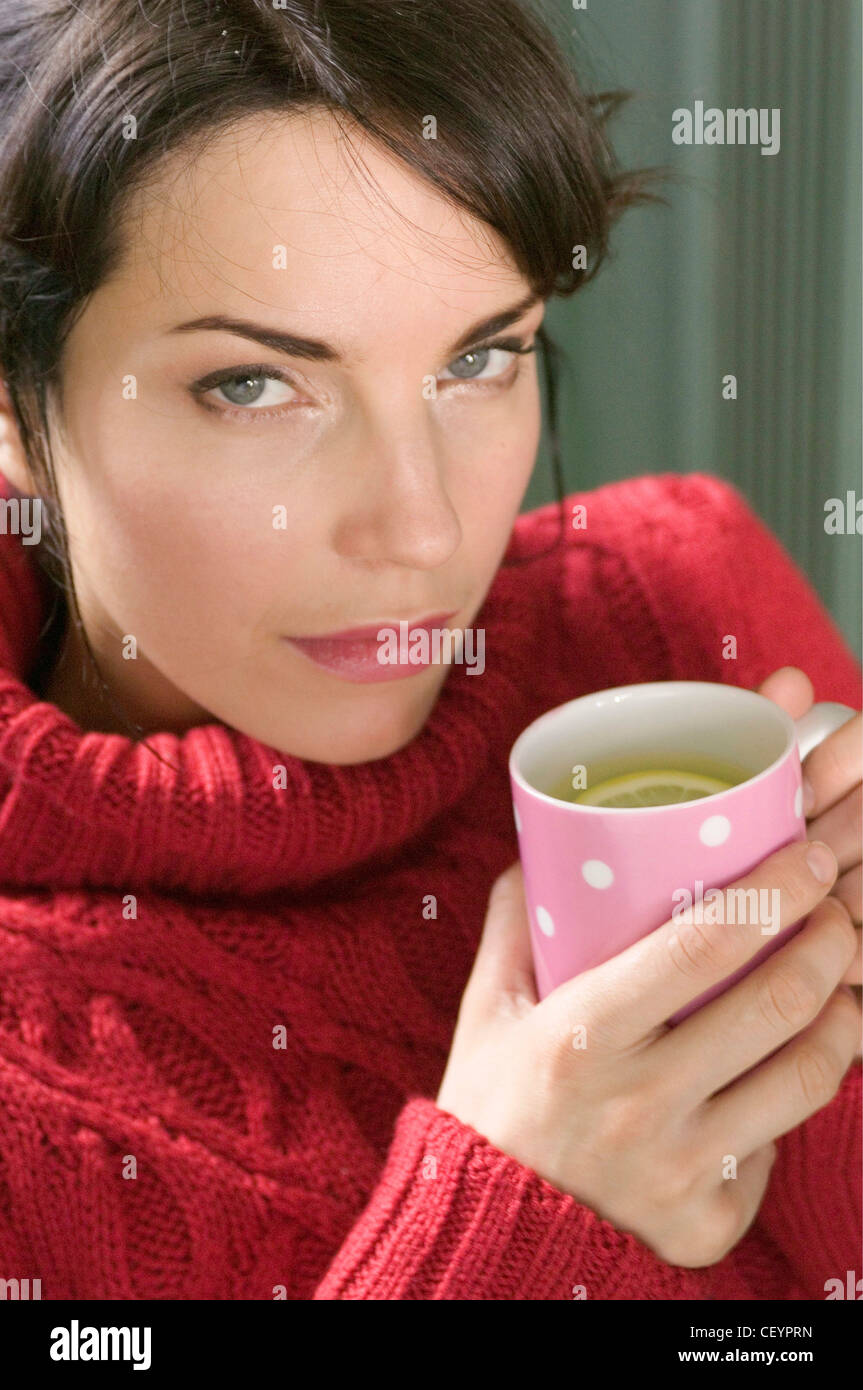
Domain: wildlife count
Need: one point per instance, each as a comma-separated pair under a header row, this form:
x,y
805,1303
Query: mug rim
x,y
617,690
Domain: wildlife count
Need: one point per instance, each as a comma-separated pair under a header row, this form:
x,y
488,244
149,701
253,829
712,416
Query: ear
x,y
13,463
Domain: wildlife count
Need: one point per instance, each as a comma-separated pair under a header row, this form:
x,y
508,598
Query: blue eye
x,y
252,390
472,365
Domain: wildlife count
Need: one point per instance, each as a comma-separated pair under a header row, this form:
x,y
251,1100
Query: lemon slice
x,y
659,787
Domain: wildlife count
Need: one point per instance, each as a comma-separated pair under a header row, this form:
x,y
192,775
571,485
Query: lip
x,y
352,654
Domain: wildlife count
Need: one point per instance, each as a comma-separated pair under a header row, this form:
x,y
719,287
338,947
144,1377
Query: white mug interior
x,y
671,723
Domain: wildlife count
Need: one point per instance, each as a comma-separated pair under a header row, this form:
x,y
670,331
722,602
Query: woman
x,y
273,283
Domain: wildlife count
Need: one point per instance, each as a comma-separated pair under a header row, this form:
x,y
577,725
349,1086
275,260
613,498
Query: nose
x,y
399,511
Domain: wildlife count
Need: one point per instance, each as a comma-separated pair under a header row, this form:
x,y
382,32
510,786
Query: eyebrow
x,y
314,349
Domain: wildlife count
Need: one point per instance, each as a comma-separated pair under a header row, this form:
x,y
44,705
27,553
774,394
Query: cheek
x,y
187,578
493,460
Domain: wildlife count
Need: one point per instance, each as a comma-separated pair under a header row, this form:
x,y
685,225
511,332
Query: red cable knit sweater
x,y
157,926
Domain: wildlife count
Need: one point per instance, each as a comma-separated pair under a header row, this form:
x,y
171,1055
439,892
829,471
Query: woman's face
x,y
224,494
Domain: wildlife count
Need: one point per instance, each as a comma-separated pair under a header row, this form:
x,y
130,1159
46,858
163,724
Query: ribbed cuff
x,y
822,1237
453,1217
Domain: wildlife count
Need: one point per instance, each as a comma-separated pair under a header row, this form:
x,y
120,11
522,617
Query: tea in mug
x,y
650,781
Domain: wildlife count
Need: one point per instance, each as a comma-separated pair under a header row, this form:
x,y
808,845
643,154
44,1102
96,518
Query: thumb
x,y
504,963
790,688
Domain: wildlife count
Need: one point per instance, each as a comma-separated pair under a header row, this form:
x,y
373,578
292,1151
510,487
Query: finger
x,y
841,827
849,890
731,1034
790,688
753,1175
854,974
648,982
834,766
789,1087
503,966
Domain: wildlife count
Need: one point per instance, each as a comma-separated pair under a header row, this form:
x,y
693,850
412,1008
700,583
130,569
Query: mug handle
x,y
822,719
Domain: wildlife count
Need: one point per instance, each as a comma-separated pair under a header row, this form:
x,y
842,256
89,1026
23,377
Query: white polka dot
x,y
715,830
544,921
798,802
597,874
517,819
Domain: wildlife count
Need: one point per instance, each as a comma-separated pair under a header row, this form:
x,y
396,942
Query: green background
x,y
753,268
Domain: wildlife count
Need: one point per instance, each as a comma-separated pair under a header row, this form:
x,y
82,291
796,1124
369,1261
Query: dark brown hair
x,y
518,145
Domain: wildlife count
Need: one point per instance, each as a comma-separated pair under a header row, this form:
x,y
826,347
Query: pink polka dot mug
x,y
598,878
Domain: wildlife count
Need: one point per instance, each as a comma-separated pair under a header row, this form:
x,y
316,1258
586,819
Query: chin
x,y
359,729
367,739
368,751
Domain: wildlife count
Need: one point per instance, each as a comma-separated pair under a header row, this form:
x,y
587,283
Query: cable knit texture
x,y
162,923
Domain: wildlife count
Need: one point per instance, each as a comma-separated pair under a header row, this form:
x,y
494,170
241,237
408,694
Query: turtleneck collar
x,y
92,810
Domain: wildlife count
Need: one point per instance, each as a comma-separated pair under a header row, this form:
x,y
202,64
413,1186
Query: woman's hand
x,y
666,1132
834,810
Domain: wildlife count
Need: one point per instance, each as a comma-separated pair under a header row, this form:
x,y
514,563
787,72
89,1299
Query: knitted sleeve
x,y
453,1217
449,1217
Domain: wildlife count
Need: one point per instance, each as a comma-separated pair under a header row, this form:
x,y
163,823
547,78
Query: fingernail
x,y
808,796
821,861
